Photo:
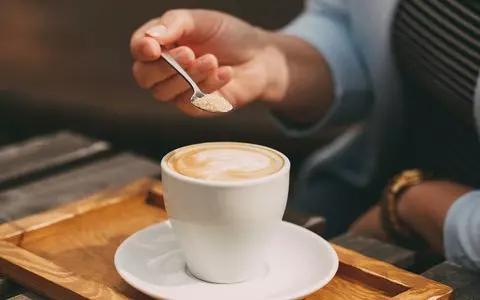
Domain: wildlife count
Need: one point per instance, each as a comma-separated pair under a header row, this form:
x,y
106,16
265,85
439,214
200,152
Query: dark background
x,y
66,64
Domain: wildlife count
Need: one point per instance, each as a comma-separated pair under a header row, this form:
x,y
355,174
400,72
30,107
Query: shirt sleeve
x,y
462,231
325,25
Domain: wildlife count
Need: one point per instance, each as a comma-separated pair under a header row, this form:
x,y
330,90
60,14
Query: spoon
x,y
206,102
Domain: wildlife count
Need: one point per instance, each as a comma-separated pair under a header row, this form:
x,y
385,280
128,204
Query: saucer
x,y
298,263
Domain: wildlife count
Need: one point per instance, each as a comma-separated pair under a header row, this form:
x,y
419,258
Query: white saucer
x,y
299,263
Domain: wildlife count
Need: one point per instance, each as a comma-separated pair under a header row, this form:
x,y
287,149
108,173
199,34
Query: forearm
x,y
447,215
300,85
424,208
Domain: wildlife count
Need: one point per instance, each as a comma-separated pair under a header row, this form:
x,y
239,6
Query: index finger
x,y
172,27
142,47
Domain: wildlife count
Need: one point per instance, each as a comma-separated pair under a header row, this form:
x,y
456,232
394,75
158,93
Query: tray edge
x,y
13,231
418,287
54,281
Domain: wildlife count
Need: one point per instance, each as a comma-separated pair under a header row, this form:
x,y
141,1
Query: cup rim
x,y
212,183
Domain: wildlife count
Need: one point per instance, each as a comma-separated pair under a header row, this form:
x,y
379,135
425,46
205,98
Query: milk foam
x,y
225,161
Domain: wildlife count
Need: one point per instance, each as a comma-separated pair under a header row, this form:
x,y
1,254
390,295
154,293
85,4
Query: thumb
x,y
179,26
186,26
165,30
171,27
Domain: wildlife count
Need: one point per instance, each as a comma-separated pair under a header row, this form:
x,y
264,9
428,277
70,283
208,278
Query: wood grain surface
x,y
392,254
392,281
74,184
78,247
466,284
69,251
9,288
47,277
42,154
27,296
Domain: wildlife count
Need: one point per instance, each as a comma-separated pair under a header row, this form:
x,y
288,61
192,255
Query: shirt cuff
x,y
462,231
327,32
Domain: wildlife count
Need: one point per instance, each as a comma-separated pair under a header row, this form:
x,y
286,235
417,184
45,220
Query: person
x,y
337,64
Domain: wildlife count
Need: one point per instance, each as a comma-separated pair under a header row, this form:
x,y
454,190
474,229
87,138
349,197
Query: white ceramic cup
x,y
223,227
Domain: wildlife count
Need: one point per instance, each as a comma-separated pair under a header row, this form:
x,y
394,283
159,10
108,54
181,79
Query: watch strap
x,y
396,229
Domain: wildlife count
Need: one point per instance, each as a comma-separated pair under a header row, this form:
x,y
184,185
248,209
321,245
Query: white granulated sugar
x,y
213,103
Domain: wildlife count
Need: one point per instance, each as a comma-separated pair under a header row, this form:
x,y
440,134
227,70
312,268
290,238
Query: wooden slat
x,y
74,184
9,288
21,161
417,287
27,296
466,284
44,275
391,254
31,224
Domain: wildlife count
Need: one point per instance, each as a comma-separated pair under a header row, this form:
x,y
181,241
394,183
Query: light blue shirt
x,y
354,38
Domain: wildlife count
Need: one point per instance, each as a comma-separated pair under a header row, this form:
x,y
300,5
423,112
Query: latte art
x,y
225,161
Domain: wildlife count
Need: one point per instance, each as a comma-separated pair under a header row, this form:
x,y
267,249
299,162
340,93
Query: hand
x,y
220,52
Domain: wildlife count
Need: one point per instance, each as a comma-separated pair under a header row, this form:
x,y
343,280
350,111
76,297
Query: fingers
x,y
184,27
147,74
215,81
168,29
199,70
175,26
172,26
145,48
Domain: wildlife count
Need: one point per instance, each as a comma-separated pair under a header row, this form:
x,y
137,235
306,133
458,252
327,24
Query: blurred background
x,y
66,65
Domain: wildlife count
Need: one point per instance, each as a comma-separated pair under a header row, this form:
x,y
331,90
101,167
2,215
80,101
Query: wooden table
x,y
44,172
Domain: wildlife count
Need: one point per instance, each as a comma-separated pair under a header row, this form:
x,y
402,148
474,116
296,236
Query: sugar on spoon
x,y
208,102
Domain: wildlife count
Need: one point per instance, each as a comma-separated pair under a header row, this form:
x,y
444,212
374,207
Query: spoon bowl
x,y
199,99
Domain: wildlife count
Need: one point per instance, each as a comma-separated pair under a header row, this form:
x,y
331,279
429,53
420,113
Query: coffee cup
x,y
225,202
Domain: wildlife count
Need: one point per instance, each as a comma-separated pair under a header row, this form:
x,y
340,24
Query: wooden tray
x,y
67,253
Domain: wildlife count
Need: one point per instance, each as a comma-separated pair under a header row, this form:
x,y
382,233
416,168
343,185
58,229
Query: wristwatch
x,y
391,221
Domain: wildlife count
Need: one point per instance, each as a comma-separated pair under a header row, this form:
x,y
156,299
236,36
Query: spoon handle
x,y
171,61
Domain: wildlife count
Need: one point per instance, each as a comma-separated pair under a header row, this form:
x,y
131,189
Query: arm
x,y
445,214
308,71
302,85
334,87
448,216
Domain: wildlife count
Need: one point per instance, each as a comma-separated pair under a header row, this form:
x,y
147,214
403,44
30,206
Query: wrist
x,y
429,198
395,206
407,200
275,68
299,83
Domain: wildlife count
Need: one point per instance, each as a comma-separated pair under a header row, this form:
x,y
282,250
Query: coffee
x,y
225,201
225,161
